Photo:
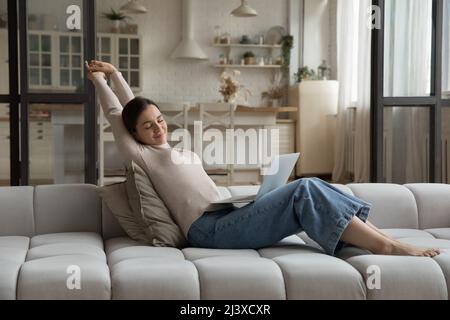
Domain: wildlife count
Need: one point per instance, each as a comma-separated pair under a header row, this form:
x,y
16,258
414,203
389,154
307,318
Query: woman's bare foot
x,y
398,248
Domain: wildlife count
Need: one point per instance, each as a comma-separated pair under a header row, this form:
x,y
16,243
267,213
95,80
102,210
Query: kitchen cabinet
x,y
56,60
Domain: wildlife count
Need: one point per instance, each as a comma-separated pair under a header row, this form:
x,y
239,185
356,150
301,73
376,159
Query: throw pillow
x,y
150,211
115,197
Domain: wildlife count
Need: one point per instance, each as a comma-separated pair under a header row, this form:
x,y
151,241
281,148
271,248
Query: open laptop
x,y
281,167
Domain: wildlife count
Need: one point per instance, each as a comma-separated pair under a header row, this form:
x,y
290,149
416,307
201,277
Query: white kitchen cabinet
x,y
56,60
125,52
41,150
316,125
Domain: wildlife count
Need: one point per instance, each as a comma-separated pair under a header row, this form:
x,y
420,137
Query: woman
x,y
328,215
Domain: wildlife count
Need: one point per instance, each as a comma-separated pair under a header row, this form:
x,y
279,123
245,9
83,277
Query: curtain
x,y
353,56
407,73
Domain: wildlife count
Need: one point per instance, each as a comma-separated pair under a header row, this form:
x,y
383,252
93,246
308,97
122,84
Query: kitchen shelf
x,y
239,45
249,66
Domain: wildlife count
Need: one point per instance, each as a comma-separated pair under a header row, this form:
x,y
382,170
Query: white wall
x,y
168,80
177,80
316,33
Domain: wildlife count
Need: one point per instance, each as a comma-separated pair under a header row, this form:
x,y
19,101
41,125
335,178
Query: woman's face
x,y
151,128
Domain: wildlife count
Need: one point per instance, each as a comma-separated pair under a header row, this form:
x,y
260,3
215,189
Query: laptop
x,y
281,167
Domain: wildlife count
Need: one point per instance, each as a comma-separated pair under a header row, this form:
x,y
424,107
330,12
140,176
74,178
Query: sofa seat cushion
x,y
136,252
444,262
64,277
310,275
155,279
90,238
116,243
440,233
8,278
15,242
65,248
200,253
407,233
14,248
273,252
241,278
422,279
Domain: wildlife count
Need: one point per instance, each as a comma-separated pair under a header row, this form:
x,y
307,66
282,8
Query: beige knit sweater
x,y
183,186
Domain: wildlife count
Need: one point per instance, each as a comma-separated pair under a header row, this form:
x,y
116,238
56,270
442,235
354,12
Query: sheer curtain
x,y
353,56
407,73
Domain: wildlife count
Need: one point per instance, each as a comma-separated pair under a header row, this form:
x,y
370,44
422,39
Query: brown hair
x,y
133,110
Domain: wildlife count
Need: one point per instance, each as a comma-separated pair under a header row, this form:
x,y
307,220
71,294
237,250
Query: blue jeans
x,y
309,204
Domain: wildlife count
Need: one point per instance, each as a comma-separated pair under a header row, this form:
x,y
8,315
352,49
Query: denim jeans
x,y
309,204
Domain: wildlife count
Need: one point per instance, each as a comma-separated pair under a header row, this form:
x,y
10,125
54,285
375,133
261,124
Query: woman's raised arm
x,y
119,85
112,109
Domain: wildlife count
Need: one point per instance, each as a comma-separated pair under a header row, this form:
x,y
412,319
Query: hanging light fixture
x,y
244,10
133,6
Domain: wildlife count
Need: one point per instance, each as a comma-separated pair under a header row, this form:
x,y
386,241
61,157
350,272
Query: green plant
x,y
304,73
287,43
249,54
115,15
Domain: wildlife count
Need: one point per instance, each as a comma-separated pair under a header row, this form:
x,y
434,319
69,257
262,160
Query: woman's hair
x,y
133,110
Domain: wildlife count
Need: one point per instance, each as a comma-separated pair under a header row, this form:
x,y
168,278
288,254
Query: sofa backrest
x,y
433,204
110,225
393,205
67,208
16,211
29,211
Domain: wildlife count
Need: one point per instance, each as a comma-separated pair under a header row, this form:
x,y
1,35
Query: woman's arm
x,y
121,88
119,85
112,109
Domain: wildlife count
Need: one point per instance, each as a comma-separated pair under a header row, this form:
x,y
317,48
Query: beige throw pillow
x,y
115,197
150,211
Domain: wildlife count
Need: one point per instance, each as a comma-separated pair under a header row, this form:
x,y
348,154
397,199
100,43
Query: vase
x,y
115,26
275,103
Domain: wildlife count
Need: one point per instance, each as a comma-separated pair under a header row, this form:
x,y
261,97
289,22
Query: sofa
x,y
62,242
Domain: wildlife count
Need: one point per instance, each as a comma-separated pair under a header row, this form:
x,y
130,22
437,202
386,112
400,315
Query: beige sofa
x,y
60,242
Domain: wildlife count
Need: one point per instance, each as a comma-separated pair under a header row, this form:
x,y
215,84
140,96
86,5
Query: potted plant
x,y
249,58
287,43
304,73
116,17
33,22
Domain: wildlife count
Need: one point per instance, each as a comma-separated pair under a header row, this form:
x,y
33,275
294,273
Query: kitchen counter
x,y
258,109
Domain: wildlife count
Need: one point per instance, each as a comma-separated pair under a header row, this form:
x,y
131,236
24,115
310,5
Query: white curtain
x,y
407,73
353,56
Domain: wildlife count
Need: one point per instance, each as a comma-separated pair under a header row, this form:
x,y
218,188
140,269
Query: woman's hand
x,y
100,66
97,74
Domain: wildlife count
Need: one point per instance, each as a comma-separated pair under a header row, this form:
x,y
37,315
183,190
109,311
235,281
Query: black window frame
x,y
20,100
435,101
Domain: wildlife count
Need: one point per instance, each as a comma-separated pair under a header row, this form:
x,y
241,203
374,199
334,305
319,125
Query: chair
x,y
219,115
110,169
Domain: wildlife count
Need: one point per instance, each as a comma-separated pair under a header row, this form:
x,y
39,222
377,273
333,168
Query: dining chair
x,y
219,116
